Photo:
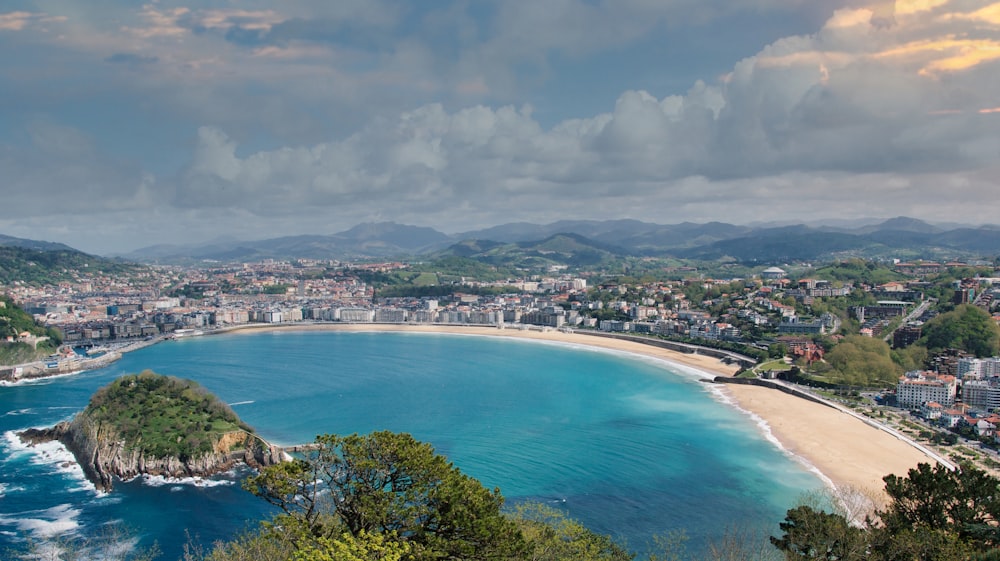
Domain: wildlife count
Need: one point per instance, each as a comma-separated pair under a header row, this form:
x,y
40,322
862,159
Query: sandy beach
x,y
847,451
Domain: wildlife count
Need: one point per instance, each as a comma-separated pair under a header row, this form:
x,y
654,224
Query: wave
x,y
18,412
39,381
32,411
719,392
48,523
53,455
162,481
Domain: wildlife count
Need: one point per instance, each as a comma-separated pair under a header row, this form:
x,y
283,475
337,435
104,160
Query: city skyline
x,y
178,122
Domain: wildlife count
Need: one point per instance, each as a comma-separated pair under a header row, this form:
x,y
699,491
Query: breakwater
x,y
44,369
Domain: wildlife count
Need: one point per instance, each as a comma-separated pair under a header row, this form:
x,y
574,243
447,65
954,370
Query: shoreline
x,y
846,453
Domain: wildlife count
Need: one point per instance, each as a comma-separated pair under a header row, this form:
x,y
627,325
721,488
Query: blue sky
x,y
125,124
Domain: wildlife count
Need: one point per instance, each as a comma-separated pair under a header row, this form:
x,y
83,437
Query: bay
x,y
630,446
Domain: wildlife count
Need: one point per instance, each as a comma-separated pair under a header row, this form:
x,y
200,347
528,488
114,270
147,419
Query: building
x,y
773,273
970,368
982,394
360,315
390,315
906,335
918,387
884,310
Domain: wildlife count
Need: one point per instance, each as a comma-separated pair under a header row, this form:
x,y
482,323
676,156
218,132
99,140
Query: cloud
x,y
18,21
60,167
298,124
834,103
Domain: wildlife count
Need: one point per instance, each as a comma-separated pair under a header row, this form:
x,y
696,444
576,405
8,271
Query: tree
x,y
862,361
961,502
817,534
554,537
967,328
777,350
389,485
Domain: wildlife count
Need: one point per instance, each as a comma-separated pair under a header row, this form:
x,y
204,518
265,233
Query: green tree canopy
x,y
389,485
961,502
817,534
863,361
933,514
967,328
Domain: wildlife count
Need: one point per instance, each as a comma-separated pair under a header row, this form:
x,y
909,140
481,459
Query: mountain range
x,y
590,242
587,241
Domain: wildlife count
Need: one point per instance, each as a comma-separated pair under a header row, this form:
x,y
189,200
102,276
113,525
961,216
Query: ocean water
x,y
631,447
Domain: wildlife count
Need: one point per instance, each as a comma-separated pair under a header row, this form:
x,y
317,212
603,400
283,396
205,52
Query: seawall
x,y
44,369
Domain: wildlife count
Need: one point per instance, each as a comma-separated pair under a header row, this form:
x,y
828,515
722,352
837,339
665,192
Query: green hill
x,y
14,321
51,266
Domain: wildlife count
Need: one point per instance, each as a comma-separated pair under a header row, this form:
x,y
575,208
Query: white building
x,y
970,368
978,368
983,394
917,387
360,315
773,273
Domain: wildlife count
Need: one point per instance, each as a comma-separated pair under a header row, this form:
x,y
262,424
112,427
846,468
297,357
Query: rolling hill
x,y
583,242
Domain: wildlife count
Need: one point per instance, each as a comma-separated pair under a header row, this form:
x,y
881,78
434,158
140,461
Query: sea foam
x,y
52,455
58,520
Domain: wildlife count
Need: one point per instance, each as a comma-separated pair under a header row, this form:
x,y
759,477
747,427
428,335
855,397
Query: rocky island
x,y
157,425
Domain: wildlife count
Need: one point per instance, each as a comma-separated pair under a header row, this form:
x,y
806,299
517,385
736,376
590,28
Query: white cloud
x,y
879,107
19,21
830,103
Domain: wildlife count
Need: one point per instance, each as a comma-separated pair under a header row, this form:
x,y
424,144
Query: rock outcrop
x,y
156,425
104,456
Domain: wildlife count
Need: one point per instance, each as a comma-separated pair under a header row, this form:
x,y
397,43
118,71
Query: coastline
x,y
847,453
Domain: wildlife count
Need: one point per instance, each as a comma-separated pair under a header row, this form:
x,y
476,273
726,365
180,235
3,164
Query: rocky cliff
x,y
107,451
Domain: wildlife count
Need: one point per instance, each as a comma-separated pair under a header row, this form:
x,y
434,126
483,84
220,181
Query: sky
x,y
124,124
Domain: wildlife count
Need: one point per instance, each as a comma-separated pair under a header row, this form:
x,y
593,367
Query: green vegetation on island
x,y
162,416
149,424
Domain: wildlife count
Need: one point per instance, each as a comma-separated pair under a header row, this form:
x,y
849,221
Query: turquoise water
x,y
627,445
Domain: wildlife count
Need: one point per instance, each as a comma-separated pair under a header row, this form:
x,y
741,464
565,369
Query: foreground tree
x,y
817,534
933,514
963,502
392,486
554,537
